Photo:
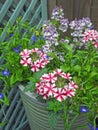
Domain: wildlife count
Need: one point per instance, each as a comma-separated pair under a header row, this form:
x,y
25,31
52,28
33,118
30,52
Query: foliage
x,y
59,62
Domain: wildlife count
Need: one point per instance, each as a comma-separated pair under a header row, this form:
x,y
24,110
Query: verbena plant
x,y
59,62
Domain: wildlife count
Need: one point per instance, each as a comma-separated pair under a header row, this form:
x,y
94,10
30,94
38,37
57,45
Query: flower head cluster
x,y
56,85
57,13
51,37
63,25
35,58
79,26
91,35
53,33
50,33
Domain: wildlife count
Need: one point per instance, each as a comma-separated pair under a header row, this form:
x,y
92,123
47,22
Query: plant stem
x,y
66,116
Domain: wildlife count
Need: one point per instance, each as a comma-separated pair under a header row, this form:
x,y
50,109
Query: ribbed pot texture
x,y
38,115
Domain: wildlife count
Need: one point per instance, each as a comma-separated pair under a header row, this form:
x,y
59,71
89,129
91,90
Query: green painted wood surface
x,y
44,9
5,8
15,113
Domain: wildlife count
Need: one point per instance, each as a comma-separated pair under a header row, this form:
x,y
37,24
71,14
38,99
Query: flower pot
x,y
38,115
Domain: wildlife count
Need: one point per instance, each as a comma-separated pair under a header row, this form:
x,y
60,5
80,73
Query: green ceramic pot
x,y
38,115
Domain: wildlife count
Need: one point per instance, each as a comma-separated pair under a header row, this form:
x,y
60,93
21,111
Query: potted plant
x,y
58,71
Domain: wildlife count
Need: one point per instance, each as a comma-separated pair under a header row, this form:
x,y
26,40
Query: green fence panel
x,y
35,11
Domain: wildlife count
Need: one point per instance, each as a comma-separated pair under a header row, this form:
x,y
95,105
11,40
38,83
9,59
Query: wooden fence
x,y
76,9
34,11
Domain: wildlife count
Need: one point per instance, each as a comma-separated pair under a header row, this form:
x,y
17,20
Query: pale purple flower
x,y
46,48
57,13
63,25
87,22
79,26
50,33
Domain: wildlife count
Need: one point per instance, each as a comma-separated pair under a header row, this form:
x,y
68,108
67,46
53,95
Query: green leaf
x,y
77,68
54,106
68,47
30,86
93,74
87,67
3,123
38,74
95,91
5,100
65,68
52,55
15,78
52,119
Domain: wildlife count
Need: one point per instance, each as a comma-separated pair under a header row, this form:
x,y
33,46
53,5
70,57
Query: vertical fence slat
x,y
44,10
51,4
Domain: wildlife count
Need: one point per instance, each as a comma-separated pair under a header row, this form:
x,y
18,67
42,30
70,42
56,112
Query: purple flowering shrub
x,y
60,67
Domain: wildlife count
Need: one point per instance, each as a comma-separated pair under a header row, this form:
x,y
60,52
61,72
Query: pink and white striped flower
x,y
60,95
49,78
42,63
58,72
45,96
35,58
25,61
48,86
43,55
25,53
36,50
72,85
66,76
50,89
96,44
40,88
69,92
34,67
90,35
